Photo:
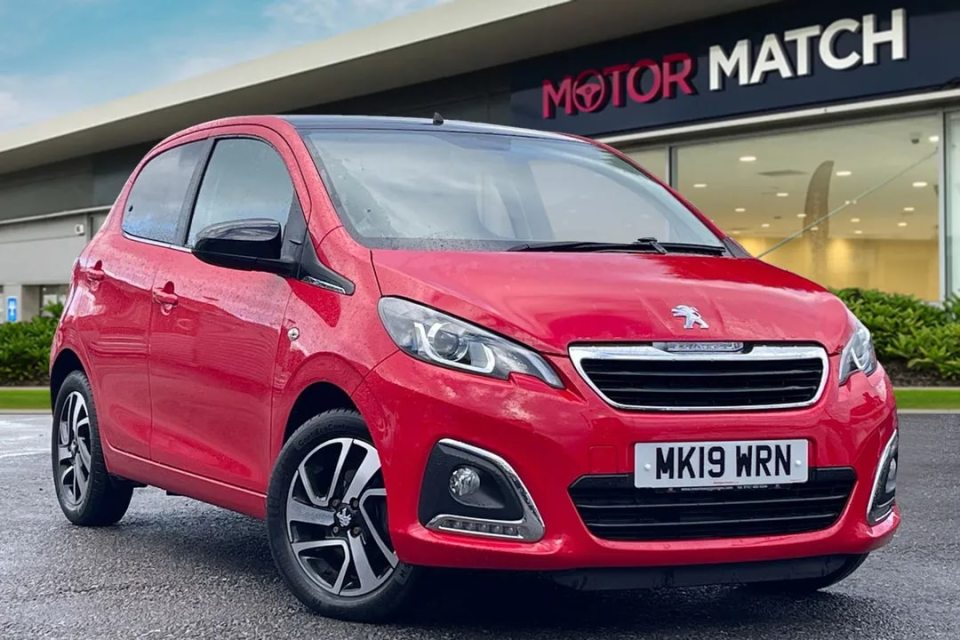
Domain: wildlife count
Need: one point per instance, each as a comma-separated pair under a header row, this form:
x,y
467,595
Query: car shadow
x,y
202,540
505,602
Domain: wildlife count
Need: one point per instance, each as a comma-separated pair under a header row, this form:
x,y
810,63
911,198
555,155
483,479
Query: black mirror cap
x,y
250,245
248,238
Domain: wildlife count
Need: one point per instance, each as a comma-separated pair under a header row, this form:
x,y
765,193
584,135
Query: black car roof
x,y
406,124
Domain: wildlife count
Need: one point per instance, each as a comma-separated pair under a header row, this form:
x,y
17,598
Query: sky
x,y
58,56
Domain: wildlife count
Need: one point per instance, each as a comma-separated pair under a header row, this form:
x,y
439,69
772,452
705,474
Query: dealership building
x,y
822,135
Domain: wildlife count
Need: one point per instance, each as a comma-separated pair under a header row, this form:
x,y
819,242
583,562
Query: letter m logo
x,y
560,95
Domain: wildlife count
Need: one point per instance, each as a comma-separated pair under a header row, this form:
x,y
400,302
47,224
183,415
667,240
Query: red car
x,y
413,343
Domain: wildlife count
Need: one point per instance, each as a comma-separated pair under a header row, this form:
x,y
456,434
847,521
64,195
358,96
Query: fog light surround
x,y
883,494
465,481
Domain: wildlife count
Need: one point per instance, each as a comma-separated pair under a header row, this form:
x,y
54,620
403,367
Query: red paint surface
x,y
195,396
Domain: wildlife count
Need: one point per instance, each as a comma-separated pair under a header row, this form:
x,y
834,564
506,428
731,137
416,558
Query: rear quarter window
x,y
155,204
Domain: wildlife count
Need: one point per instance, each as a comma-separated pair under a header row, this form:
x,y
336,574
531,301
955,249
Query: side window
x,y
244,179
156,199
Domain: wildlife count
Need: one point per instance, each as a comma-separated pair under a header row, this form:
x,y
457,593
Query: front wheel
x,y
327,522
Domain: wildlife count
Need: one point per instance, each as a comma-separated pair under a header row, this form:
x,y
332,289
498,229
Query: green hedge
x,y
925,337
25,350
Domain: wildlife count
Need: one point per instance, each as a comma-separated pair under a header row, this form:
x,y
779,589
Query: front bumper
x,y
553,437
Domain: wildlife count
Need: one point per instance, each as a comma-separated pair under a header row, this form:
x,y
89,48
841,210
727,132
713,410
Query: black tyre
x,y
327,522
87,494
810,585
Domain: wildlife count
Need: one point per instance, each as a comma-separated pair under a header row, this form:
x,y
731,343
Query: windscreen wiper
x,y
642,244
689,247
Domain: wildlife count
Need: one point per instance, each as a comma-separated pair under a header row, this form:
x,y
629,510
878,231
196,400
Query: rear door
x,y
216,331
115,279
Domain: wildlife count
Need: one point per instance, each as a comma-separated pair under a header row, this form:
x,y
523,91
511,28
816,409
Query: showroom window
x,y
653,160
846,206
952,196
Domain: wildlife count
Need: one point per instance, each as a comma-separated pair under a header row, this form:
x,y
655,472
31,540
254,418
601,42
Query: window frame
x,y
189,195
290,228
420,244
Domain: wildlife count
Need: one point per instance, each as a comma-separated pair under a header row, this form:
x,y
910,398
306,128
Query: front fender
x,y
329,368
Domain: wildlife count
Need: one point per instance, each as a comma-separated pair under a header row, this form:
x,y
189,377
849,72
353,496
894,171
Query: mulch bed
x,y
904,377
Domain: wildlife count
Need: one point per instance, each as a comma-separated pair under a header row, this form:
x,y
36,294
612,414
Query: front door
x,y
114,281
216,331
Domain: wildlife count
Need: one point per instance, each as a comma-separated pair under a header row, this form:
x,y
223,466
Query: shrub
x,y
906,329
25,350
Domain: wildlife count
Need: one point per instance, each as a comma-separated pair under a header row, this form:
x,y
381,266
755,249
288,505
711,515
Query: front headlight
x,y
858,354
437,338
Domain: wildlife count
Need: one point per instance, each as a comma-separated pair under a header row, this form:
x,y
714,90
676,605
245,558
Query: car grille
x,y
645,377
613,509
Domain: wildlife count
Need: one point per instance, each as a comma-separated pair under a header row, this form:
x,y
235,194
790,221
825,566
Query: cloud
x,y
327,17
181,52
9,105
25,99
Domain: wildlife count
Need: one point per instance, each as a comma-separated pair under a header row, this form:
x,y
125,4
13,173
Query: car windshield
x,y
481,191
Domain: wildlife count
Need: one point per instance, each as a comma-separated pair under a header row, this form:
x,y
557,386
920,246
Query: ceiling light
x,y
801,215
700,185
814,228
854,220
736,233
919,184
748,158
909,209
934,139
765,225
844,173
858,232
739,209
901,224
782,194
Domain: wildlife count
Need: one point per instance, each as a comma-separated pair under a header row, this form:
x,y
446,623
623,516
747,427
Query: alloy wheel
x,y
336,515
73,449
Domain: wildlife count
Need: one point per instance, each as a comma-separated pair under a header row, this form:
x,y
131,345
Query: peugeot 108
x,y
415,343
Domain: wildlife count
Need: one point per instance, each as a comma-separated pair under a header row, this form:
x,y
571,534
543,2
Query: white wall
x,y
41,251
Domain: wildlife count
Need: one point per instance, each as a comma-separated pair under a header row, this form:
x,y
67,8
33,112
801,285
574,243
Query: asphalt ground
x,y
175,568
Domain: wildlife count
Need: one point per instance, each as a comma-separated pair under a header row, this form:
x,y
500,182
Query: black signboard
x,y
773,58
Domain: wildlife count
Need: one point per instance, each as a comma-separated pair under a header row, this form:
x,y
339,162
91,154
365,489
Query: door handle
x,y
95,273
161,296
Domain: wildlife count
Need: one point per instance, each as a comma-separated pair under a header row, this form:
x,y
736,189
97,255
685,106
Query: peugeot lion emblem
x,y
691,317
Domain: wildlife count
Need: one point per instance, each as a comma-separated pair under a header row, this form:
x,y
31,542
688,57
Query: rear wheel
x,y
809,585
327,522
88,495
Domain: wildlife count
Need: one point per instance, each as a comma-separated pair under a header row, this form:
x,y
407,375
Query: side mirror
x,y
248,245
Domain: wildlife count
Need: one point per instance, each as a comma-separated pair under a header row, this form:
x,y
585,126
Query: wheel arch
x,y
313,400
66,362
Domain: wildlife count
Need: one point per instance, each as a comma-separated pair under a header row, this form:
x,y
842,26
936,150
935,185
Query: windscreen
x,y
455,190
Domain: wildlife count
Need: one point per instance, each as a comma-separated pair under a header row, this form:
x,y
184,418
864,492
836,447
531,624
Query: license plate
x,y
717,464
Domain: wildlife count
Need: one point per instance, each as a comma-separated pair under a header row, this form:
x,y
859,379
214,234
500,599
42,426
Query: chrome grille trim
x,y
649,353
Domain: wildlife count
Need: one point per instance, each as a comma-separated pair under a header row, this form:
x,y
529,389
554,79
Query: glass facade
x,y
850,205
655,160
952,200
